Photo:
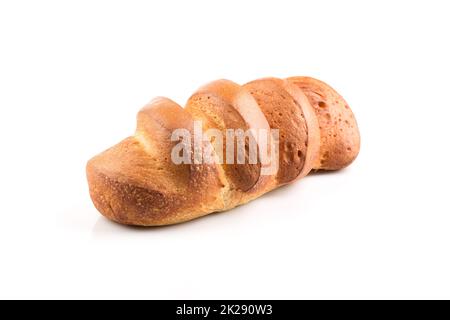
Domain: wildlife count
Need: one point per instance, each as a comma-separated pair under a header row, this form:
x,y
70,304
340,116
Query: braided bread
x,y
137,181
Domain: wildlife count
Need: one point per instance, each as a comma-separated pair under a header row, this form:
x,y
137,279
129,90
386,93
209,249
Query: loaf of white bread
x,y
136,182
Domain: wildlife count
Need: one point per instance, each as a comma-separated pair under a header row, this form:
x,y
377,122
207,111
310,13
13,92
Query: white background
x,y
73,74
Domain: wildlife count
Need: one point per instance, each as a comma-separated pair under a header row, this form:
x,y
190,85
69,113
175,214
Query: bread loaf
x,y
137,181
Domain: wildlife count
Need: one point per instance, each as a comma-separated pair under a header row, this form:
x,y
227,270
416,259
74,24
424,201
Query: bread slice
x,y
282,107
339,138
225,105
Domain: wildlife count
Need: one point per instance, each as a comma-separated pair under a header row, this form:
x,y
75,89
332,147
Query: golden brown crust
x,y
339,138
136,182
